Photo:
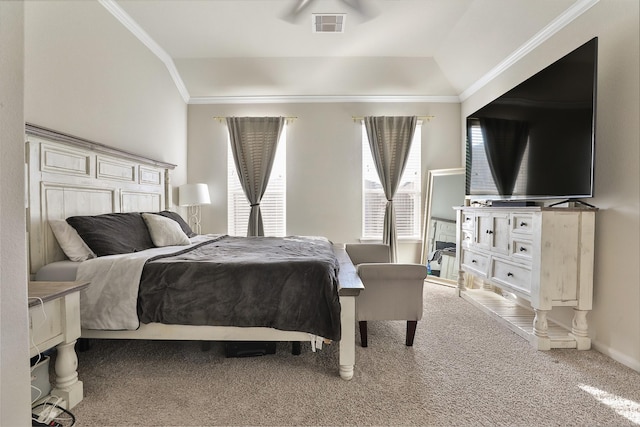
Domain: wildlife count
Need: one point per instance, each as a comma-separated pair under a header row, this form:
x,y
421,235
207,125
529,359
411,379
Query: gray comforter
x,y
284,283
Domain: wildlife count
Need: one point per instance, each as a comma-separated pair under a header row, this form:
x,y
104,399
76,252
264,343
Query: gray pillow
x,y
113,233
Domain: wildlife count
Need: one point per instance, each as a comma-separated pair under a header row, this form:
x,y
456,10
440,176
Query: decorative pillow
x,y
71,243
165,231
177,218
113,233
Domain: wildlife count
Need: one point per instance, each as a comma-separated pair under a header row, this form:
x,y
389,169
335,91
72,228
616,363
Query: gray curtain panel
x,y
254,141
390,141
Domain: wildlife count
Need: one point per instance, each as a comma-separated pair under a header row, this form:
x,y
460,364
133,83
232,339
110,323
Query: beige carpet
x,y
464,370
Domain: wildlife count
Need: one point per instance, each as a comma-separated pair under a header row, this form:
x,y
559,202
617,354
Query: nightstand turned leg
x,y
67,385
579,329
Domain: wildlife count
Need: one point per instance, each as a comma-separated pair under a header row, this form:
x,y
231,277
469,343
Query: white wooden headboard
x,y
73,176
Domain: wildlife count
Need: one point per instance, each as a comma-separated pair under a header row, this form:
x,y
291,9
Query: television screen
x,y
537,140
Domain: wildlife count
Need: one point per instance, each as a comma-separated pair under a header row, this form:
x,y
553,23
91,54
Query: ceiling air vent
x,y
328,22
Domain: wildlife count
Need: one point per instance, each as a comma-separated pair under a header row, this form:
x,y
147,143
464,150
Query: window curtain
x,y
505,142
390,141
254,141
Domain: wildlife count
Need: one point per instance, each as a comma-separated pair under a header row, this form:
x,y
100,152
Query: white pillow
x,y
70,241
165,231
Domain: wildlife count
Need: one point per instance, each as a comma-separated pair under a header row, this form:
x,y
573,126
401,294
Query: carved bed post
x,y
167,190
348,339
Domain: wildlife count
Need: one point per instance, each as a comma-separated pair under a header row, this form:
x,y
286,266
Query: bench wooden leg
x,y
411,331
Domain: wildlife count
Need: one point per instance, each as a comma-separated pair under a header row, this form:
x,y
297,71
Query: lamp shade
x,y
193,194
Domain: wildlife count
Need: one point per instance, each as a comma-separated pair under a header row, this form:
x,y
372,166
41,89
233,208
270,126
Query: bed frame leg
x,y
348,340
83,344
296,348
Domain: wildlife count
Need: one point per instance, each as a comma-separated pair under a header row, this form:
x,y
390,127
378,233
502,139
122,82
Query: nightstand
x,y
54,321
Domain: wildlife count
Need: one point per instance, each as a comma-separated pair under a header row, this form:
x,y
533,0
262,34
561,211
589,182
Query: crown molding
x,y
126,20
552,28
129,23
573,12
305,99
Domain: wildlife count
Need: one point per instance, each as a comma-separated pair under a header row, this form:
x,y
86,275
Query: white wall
x,y
15,392
87,75
615,319
323,161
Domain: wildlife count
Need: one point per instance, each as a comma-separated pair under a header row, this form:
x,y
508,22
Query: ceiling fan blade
x,y
293,15
358,6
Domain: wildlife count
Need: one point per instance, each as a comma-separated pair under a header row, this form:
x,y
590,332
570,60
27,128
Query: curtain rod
x,y
425,118
289,119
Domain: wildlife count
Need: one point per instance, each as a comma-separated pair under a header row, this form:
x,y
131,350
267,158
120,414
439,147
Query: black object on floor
x,y
249,348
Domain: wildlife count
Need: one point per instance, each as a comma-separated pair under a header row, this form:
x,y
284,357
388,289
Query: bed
x,y
71,177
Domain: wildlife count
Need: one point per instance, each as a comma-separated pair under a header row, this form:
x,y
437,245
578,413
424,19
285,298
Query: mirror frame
x,y
427,219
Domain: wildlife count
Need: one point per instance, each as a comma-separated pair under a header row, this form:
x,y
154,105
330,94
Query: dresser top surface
x,y
526,209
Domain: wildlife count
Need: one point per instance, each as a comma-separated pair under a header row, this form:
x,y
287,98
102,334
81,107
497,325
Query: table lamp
x,y
193,196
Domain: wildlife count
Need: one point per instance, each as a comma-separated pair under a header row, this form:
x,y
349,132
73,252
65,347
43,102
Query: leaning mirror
x,y
445,190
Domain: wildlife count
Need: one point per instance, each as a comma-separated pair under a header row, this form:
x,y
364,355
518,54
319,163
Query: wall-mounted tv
x,y
537,141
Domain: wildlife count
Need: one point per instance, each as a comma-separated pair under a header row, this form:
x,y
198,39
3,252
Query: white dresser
x,y
540,258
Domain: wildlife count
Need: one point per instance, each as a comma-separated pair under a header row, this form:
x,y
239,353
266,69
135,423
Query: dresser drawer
x,y
522,249
522,223
476,262
45,325
468,222
510,274
467,238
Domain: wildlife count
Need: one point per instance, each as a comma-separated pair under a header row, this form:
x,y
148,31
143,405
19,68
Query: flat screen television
x,y
537,141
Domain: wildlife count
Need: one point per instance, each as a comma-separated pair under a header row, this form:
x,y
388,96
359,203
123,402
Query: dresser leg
x,y
461,282
67,385
540,338
579,329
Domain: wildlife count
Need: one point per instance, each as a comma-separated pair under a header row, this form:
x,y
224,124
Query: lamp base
x,y
194,219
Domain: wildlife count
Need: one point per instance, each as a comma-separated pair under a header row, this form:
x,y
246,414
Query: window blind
x,y
273,204
407,200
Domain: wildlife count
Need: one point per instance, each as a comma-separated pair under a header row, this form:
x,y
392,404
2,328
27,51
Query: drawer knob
x,y
523,249
489,232
523,224
473,261
509,274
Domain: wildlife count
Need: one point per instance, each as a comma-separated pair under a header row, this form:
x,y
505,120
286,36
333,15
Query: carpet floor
x,y
465,369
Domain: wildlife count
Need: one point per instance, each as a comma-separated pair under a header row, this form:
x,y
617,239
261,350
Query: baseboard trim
x,y
616,355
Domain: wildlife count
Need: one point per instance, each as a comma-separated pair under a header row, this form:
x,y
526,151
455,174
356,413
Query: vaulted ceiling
x,y
390,49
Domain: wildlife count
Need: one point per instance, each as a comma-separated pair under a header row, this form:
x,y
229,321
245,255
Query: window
x,y
406,201
273,204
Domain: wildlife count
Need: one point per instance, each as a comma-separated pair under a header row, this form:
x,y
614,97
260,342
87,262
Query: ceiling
x,y
401,49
